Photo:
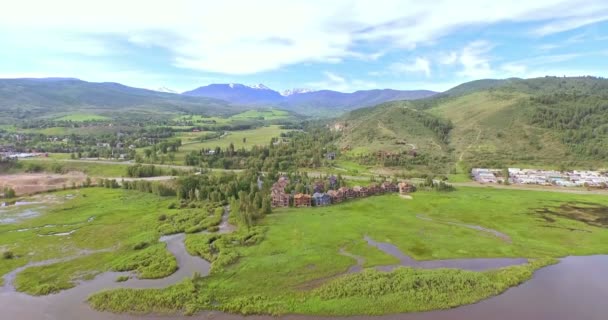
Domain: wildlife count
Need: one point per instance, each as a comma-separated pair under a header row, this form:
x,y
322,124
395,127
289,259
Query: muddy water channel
x,y
575,288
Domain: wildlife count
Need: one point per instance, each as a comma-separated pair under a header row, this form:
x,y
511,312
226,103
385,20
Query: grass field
x,y
258,136
302,245
90,168
269,114
82,117
112,219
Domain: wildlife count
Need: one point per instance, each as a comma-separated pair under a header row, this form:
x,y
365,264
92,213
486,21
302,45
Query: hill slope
x,y
543,121
30,98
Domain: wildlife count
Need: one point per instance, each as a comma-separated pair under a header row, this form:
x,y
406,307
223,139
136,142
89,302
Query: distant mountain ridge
x,y
305,100
27,98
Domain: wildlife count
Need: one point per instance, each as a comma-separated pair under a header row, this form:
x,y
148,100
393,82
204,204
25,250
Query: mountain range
x,y
303,100
32,98
37,97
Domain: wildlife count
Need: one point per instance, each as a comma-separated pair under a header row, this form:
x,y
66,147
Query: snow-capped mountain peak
x,y
166,90
290,92
259,86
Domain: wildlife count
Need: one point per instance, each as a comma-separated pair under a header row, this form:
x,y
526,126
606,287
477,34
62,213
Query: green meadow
x,y
267,115
240,139
281,273
111,220
82,117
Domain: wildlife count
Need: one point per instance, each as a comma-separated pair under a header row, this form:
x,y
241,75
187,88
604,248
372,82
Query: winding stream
x,y
473,264
575,288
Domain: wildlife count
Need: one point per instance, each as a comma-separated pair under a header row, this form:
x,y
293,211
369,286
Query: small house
x,y
348,193
302,200
330,156
333,181
360,191
336,196
389,187
318,187
321,199
280,199
405,188
374,189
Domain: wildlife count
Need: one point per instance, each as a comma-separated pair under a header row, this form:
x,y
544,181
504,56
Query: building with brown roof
x,y
360,191
405,188
302,200
279,198
347,193
389,187
336,196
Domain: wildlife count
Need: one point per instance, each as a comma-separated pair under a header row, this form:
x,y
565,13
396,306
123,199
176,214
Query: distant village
x,y
280,198
575,178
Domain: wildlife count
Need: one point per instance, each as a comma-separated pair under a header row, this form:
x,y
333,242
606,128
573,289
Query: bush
x,y
122,278
8,255
140,245
162,217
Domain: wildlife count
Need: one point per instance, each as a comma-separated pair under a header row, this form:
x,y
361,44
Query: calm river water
x,y
575,288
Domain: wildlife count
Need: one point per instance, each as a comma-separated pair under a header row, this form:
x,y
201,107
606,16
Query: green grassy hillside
x,y
542,122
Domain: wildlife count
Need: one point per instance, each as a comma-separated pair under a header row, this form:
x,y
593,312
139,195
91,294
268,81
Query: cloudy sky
x,y
343,45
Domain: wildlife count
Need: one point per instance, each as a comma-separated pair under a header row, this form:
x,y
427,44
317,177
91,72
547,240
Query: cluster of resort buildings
x,y
575,178
280,198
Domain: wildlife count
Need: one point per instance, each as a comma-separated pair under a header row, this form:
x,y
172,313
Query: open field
x,y
258,136
302,246
267,115
81,117
27,183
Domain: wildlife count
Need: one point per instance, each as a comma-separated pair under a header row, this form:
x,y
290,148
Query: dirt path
x,y
470,145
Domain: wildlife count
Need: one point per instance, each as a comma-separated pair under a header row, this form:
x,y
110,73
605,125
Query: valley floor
x,y
309,261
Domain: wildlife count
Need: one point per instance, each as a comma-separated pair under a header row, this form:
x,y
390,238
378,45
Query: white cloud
x,y
333,81
568,24
334,77
247,37
419,64
474,61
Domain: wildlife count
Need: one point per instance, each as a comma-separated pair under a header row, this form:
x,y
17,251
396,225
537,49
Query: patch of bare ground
x,y
30,183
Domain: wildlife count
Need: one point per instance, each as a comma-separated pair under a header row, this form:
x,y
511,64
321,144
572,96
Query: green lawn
x,y
302,245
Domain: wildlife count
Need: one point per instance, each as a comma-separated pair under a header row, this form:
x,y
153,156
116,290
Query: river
x,y
575,288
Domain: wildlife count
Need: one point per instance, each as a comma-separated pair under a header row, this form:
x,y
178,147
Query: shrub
x,y
140,245
8,255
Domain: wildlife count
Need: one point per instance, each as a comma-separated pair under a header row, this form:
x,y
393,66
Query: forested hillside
x,y
544,121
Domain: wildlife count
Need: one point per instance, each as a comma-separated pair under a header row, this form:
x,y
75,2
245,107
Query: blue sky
x,y
339,45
